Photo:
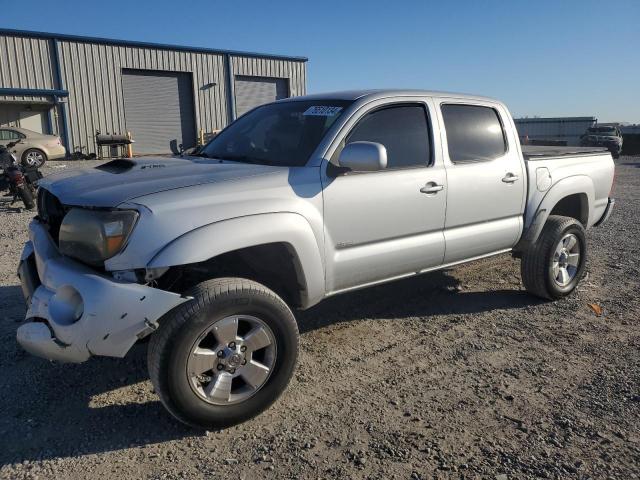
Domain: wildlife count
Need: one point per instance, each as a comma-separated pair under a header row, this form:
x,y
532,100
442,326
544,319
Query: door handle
x,y
510,178
431,188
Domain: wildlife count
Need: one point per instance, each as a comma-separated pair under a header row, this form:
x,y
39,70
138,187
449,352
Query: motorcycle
x,y
19,180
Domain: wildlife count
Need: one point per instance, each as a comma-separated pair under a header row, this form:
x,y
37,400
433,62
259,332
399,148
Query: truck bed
x,y
537,152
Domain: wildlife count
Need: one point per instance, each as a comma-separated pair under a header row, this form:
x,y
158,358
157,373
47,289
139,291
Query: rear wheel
x,y
553,266
26,196
224,356
33,158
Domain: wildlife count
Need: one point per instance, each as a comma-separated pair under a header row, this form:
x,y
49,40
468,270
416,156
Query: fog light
x,y
66,306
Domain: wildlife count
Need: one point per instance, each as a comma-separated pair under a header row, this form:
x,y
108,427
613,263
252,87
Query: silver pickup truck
x,y
293,202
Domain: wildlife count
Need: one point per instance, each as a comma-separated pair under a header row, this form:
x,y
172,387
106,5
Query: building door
x,y
159,111
32,120
253,91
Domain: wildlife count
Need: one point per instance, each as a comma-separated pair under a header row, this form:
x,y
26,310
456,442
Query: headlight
x,y
93,236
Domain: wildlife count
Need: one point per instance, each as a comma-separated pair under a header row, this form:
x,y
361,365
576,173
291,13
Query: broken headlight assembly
x,y
93,236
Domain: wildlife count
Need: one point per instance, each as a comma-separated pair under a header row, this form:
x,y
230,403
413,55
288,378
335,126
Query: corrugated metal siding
x,y
268,67
25,63
92,73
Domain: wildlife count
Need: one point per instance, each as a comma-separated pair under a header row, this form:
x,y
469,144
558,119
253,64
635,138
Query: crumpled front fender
x,y
84,312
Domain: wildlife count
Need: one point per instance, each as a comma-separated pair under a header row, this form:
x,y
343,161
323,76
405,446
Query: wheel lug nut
x,y
232,345
233,370
220,353
244,362
243,348
220,366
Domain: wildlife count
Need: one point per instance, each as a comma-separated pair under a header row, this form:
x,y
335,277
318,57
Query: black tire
x,y
25,154
26,196
536,267
169,350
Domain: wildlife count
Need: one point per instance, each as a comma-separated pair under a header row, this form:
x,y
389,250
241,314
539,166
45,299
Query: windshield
x,y
602,130
282,134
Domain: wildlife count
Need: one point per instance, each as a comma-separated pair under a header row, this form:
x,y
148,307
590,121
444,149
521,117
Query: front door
x,y
486,181
386,224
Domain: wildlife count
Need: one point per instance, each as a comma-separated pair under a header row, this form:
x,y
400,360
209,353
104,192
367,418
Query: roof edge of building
x,y
141,44
554,119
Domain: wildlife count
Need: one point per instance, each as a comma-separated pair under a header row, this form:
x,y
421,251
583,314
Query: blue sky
x,y
545,58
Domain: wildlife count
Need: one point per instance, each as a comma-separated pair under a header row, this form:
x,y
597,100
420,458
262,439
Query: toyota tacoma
x,y
209,255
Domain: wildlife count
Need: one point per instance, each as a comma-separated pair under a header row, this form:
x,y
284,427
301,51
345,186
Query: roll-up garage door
x,y
253,91
158,110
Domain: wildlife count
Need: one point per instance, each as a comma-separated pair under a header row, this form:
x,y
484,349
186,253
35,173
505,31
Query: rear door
x,y
386,224
486,184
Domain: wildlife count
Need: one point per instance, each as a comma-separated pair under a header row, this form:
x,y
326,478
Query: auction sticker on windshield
x,y
322,111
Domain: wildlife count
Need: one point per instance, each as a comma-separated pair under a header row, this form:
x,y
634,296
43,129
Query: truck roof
x,y
382,93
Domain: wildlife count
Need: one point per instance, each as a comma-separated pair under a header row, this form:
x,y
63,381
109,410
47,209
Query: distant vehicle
x,y
603,136
294,202
33,149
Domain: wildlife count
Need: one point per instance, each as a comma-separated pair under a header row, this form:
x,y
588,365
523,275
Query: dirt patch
x,y
455,374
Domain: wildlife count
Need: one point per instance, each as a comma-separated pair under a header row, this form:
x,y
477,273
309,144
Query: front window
x,y
403,130
281,134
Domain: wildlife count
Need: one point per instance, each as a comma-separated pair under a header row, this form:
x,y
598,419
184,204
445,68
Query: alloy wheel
x,y
232,360
34,159
566,260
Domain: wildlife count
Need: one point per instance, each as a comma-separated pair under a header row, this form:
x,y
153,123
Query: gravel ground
x,y
456,374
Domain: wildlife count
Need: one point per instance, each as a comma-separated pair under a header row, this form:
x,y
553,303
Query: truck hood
x,y
119,181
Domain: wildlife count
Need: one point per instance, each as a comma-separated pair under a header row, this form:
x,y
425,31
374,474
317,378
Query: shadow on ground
x,y
48,410
437,293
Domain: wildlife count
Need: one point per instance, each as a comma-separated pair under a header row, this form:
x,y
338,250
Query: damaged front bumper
x,y
75,312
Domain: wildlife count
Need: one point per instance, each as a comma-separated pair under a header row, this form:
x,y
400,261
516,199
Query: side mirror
x,y
363,157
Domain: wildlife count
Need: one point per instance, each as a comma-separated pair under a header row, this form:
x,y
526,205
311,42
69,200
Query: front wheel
x,y
224,356
552,267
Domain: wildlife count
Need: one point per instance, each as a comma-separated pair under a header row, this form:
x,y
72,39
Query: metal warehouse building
x,y
165,95
561,129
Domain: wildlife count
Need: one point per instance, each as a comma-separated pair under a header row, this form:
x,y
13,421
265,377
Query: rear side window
x,y
474,133
9,135
403,130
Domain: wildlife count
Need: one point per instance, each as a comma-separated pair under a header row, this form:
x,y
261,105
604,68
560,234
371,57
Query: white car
x,y
33,148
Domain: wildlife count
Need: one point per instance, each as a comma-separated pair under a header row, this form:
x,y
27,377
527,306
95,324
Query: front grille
x,y
50,211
